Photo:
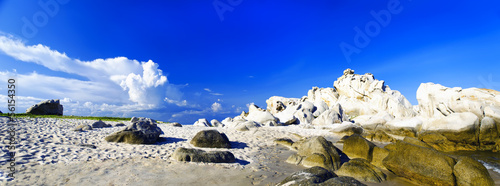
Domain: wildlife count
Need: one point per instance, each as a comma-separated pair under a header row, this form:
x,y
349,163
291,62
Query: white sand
x,y
49,154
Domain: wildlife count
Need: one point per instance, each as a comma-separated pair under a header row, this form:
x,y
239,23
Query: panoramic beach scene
x,y
236,92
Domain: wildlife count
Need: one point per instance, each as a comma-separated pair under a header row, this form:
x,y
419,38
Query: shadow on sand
x,y
238,145
167,140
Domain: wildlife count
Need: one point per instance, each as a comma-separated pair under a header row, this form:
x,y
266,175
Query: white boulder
x,y
304,113
277,104
328,117
327,95
436,100
216,123
202,123
259,115
364,95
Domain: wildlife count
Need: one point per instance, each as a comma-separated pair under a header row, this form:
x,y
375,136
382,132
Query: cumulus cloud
x,y
114,83
216,107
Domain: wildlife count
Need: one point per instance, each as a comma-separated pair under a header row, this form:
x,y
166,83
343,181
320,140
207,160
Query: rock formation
x,y
141,131
198,155
210,139
48,107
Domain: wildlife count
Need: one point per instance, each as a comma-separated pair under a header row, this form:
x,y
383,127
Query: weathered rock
x,y
202,123
197,155
141,131
259,115
216,123
361,169
83,127
441,143
468,171
284,141
436,100
321,107
342,181
100,124
379,136
315,151
327,118
488,132
496,148
277,104
327,95
48,107
415,141
310,176
346,128
364,95
287,116
420,164
456,127
379,155
355,146
371,122
304,112
211,139
404,126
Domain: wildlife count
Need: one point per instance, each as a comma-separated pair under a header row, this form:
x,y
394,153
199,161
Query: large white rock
x,y
259,115
404,126
328,95
328,117
287,116
277,104
454,122
321,107
372,121
436,100
304,112
216,123
364,95
202,123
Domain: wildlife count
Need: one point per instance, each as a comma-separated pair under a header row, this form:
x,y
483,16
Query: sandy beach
x,y
51,153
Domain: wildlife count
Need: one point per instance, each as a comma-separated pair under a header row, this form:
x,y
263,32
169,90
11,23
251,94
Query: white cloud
x,y
216,107
212,93
113,85
144,82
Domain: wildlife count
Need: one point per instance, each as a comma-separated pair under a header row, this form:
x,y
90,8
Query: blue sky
x,y
184,60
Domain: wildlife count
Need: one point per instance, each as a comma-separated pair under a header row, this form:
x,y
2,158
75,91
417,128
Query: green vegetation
x,y
105,118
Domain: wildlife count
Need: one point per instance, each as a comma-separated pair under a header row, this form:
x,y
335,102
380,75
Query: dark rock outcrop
x,y
211,139
48,107
141,131
197,155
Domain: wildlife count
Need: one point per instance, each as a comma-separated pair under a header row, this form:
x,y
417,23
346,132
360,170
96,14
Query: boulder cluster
x,y
409,158
447,119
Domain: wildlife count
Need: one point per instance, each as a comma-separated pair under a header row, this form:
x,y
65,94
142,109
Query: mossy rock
x,y
423,165
316,151
379,155
415,141
210,139
355,146
470,172
310,176
131,137
361,169
284,141
197,155
380,136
